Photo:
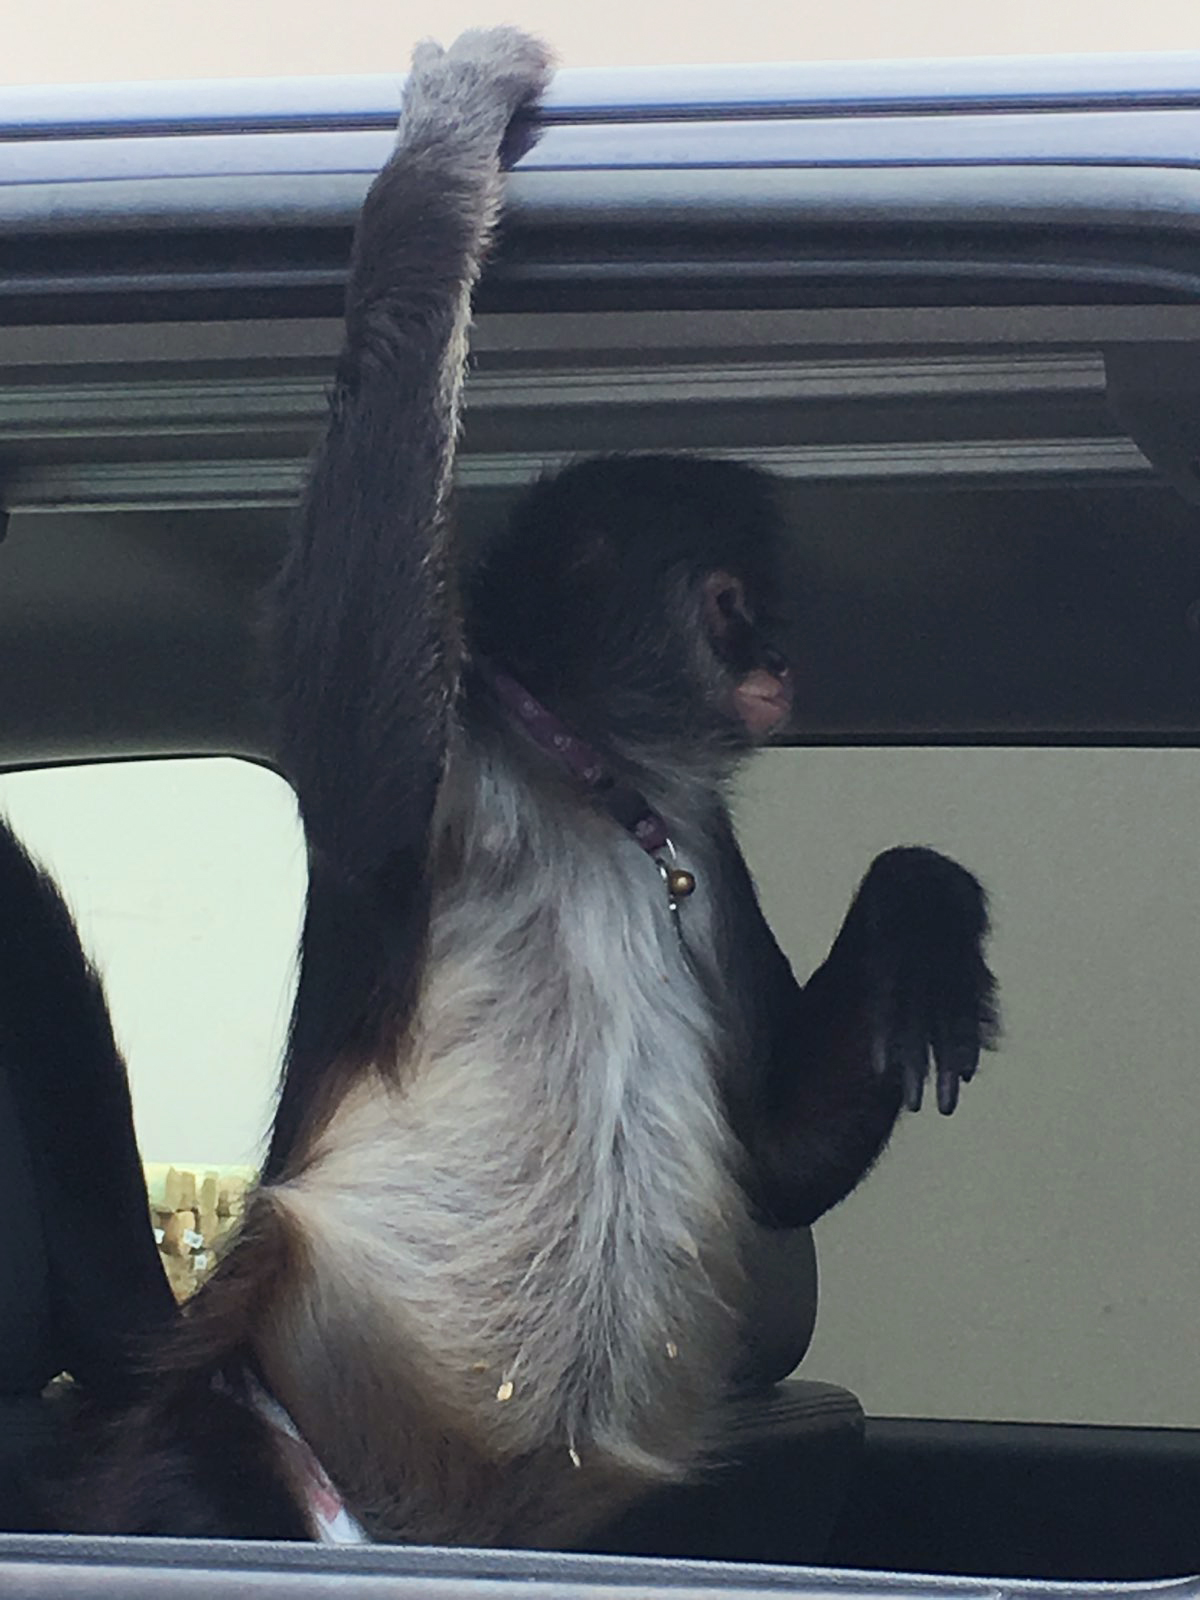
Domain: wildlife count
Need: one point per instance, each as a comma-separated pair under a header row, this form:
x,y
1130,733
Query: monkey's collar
x,y
622,801
625,804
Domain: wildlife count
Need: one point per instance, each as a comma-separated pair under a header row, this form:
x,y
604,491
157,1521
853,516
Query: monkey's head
x,y
636,596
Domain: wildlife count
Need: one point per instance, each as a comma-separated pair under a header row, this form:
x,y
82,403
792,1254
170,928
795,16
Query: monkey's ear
x,y
724,602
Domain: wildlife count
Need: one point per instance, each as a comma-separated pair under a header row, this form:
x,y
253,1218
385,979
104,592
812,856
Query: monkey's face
x,y
632,595
759,678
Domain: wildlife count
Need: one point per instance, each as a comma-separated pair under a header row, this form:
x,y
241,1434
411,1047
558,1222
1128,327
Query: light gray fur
x,y
543,1195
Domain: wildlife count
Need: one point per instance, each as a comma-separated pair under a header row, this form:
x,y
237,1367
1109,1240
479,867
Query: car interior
x,y
993,488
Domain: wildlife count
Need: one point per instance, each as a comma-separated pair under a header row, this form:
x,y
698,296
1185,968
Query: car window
x,y
1031,1258
1019,1261
187,879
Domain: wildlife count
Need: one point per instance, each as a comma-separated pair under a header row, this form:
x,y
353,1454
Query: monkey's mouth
x,y
763,700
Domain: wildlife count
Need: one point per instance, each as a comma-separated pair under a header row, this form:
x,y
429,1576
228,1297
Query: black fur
x,y
66,1083
596,599
905,984
591,596
82,1289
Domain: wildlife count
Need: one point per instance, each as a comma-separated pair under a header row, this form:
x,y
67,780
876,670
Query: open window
x,y
975,378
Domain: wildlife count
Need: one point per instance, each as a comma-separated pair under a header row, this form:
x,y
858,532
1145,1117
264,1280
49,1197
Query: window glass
x,y
1033,1257
187,881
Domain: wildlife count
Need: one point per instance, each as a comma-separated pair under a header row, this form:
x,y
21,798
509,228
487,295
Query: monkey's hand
x,y
479,93
918,926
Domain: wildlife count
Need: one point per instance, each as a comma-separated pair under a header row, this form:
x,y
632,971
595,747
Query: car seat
x,y
781,1471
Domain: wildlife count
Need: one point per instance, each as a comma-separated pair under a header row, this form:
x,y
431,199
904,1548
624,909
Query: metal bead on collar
x,y
678,880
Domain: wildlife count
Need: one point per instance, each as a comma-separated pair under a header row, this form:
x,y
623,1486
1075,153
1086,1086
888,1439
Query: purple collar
x,y
631,809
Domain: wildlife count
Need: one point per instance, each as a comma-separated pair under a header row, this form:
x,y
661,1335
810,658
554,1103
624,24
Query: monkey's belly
x,y
520,1241
543,1318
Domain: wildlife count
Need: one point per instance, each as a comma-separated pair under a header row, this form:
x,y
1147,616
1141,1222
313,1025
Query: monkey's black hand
x,y
478,92
918,925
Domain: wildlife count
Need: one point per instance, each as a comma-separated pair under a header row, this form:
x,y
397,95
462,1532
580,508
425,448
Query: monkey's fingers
x,y
956,1049
519,138
908,1055
508,56
425,56
468,95
948,1082
512,67
914,1083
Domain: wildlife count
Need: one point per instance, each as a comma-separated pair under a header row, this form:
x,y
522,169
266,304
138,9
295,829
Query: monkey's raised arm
x,y
365,634
365,638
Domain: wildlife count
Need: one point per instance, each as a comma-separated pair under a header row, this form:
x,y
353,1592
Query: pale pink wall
x,y
51,41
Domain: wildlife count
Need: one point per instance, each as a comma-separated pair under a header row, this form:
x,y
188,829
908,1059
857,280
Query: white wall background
x,y
65,41
187,881
1036,1256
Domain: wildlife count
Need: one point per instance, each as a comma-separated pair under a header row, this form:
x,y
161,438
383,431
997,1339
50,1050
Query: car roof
x,y
1142,110
939,86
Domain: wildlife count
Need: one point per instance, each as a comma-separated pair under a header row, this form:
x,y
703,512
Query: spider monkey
x,y
548,1066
